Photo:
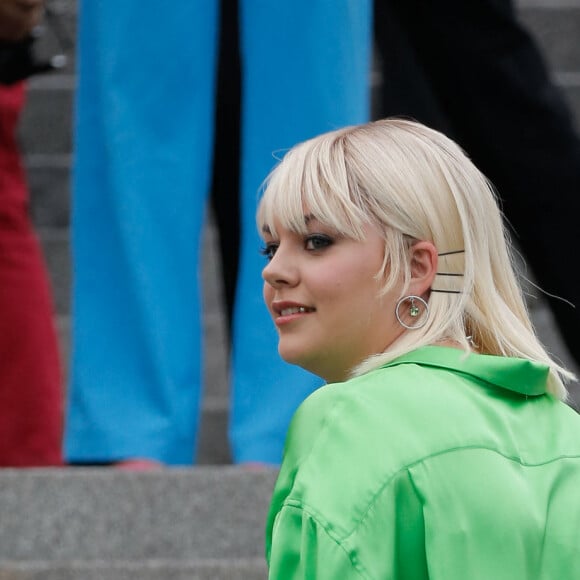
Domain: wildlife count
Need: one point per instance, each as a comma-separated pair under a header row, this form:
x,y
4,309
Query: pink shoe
x,y
138,464
254,465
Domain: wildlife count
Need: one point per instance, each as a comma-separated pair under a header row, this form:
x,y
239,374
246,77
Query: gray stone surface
x,y
556,29
101,524
49,183
225,569
213,445
547,4
46,124
56,247
104,514
57,34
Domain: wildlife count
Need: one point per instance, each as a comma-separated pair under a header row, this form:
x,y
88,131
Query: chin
x,y
304,360
291,356
297,356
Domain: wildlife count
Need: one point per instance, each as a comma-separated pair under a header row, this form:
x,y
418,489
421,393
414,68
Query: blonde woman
x,y
440,447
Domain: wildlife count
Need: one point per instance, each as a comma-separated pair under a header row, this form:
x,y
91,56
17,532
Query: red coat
x,y
30,381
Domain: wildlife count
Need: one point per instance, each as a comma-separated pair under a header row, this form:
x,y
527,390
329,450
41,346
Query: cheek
x,y
354,288
347,307
359,301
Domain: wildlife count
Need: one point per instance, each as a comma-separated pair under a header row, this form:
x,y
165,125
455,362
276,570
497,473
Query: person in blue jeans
x,y
143,157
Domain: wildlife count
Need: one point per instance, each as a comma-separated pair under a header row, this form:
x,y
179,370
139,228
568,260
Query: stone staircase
x,y
202,523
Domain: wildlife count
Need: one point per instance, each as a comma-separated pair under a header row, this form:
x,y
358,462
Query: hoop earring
x,y
414,312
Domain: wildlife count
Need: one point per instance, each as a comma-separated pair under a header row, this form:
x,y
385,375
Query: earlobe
x,y
424,261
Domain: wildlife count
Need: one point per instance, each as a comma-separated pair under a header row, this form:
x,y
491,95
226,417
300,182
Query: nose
x,y
280,271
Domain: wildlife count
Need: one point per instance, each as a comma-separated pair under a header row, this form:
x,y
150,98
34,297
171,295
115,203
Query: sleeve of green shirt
x,y
331,516
303,549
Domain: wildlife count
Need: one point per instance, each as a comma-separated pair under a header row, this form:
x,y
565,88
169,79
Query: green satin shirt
x,y
439,465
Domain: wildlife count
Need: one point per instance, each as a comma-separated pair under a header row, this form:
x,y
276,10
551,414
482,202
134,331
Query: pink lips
x,y
285,312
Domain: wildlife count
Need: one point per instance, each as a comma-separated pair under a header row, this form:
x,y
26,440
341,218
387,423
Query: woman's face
x,y
323,294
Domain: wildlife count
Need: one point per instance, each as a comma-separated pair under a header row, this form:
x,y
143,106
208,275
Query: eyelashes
x,y
311,243
269,250
315,242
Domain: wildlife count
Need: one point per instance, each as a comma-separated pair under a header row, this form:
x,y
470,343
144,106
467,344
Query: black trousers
x,y
472,71
225,194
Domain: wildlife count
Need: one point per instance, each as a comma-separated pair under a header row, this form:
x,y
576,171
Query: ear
x,y
424,259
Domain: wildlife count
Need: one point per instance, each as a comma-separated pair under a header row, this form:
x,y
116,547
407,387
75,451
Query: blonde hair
x,y
414,183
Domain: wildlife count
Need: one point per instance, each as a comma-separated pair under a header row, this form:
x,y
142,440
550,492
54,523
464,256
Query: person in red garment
x,y
30,383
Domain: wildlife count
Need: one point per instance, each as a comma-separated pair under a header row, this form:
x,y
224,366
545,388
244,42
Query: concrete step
x,y
213,445
230,569
555,24
56,247
49,183
46,124
57,33
102,523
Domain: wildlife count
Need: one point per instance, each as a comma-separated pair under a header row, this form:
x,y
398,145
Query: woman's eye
x,y
318,242
269,250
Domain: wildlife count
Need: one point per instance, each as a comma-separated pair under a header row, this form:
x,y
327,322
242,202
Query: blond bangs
x,y
312,182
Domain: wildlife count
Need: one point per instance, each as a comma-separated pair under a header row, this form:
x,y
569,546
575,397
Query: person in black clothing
x,y
472,70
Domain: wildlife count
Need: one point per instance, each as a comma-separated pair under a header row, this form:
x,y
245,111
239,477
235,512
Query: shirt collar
x,y
515,374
